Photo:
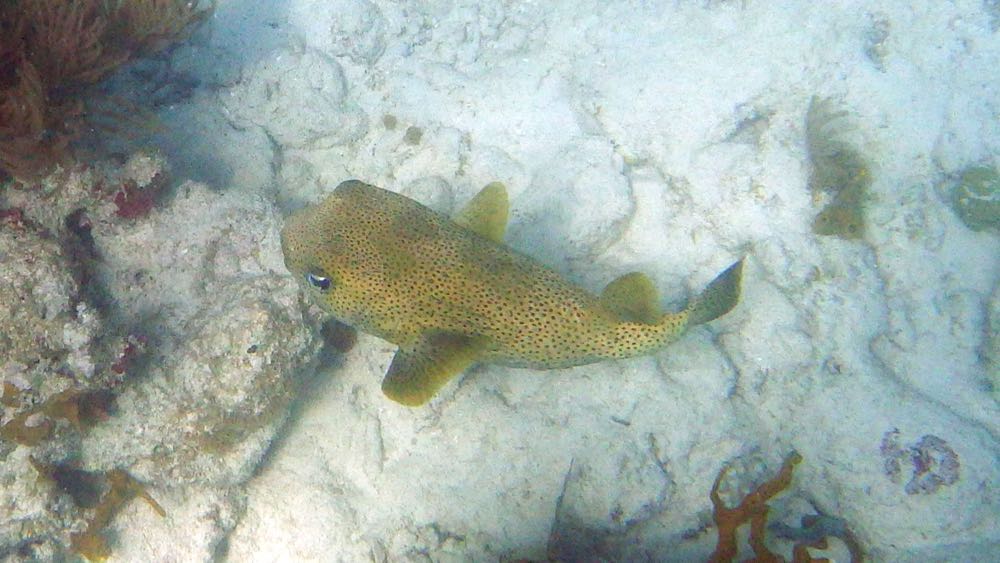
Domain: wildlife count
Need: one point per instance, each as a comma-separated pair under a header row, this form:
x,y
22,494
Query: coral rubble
x,y
229,332
308,108
50,351
58,358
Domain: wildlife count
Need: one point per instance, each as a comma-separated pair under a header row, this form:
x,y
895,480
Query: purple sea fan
x,y
892,454
933,461
935,465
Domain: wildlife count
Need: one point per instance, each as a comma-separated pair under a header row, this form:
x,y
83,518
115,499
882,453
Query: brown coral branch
x,y
752,509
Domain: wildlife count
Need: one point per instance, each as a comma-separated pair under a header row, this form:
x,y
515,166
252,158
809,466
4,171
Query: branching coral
x,y
814,530
51,51
752,509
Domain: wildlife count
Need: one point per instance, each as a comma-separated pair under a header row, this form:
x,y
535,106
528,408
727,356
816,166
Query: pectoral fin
x,y
418,371
486,213
633,298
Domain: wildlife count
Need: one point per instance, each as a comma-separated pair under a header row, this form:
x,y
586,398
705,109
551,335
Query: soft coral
x,y
52,50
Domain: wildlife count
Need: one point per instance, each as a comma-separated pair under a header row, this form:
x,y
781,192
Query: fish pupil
x,y
320,282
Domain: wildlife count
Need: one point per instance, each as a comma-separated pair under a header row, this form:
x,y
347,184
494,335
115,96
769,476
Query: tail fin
x,y
718,298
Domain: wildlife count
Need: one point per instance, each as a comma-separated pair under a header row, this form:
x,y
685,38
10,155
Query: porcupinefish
x,y
450,294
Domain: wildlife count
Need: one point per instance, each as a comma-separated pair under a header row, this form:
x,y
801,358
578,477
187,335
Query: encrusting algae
x,y
450,294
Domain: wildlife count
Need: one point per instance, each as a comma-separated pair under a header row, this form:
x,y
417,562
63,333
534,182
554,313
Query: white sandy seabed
x,y
666,137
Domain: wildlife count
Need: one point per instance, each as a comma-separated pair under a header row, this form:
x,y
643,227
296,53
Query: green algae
x,y
975,198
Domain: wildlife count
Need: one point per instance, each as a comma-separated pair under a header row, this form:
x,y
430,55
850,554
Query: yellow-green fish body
x,y
450,294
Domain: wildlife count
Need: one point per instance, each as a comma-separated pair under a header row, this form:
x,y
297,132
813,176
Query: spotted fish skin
x,y
449,296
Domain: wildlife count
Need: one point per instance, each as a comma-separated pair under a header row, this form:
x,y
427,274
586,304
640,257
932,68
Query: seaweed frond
x,y
28,146
81,409
103,493
122,488
838,170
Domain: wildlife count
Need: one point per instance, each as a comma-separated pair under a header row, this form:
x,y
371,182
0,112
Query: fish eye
x,y
321,283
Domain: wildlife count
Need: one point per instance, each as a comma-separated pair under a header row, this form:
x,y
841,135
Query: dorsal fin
x,y
486,214
633,298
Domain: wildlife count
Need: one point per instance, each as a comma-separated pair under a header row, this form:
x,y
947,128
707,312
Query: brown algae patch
x,y
413,135
839,174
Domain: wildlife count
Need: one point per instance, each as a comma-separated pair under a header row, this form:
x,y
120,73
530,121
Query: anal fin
x,y
418,371
633,298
